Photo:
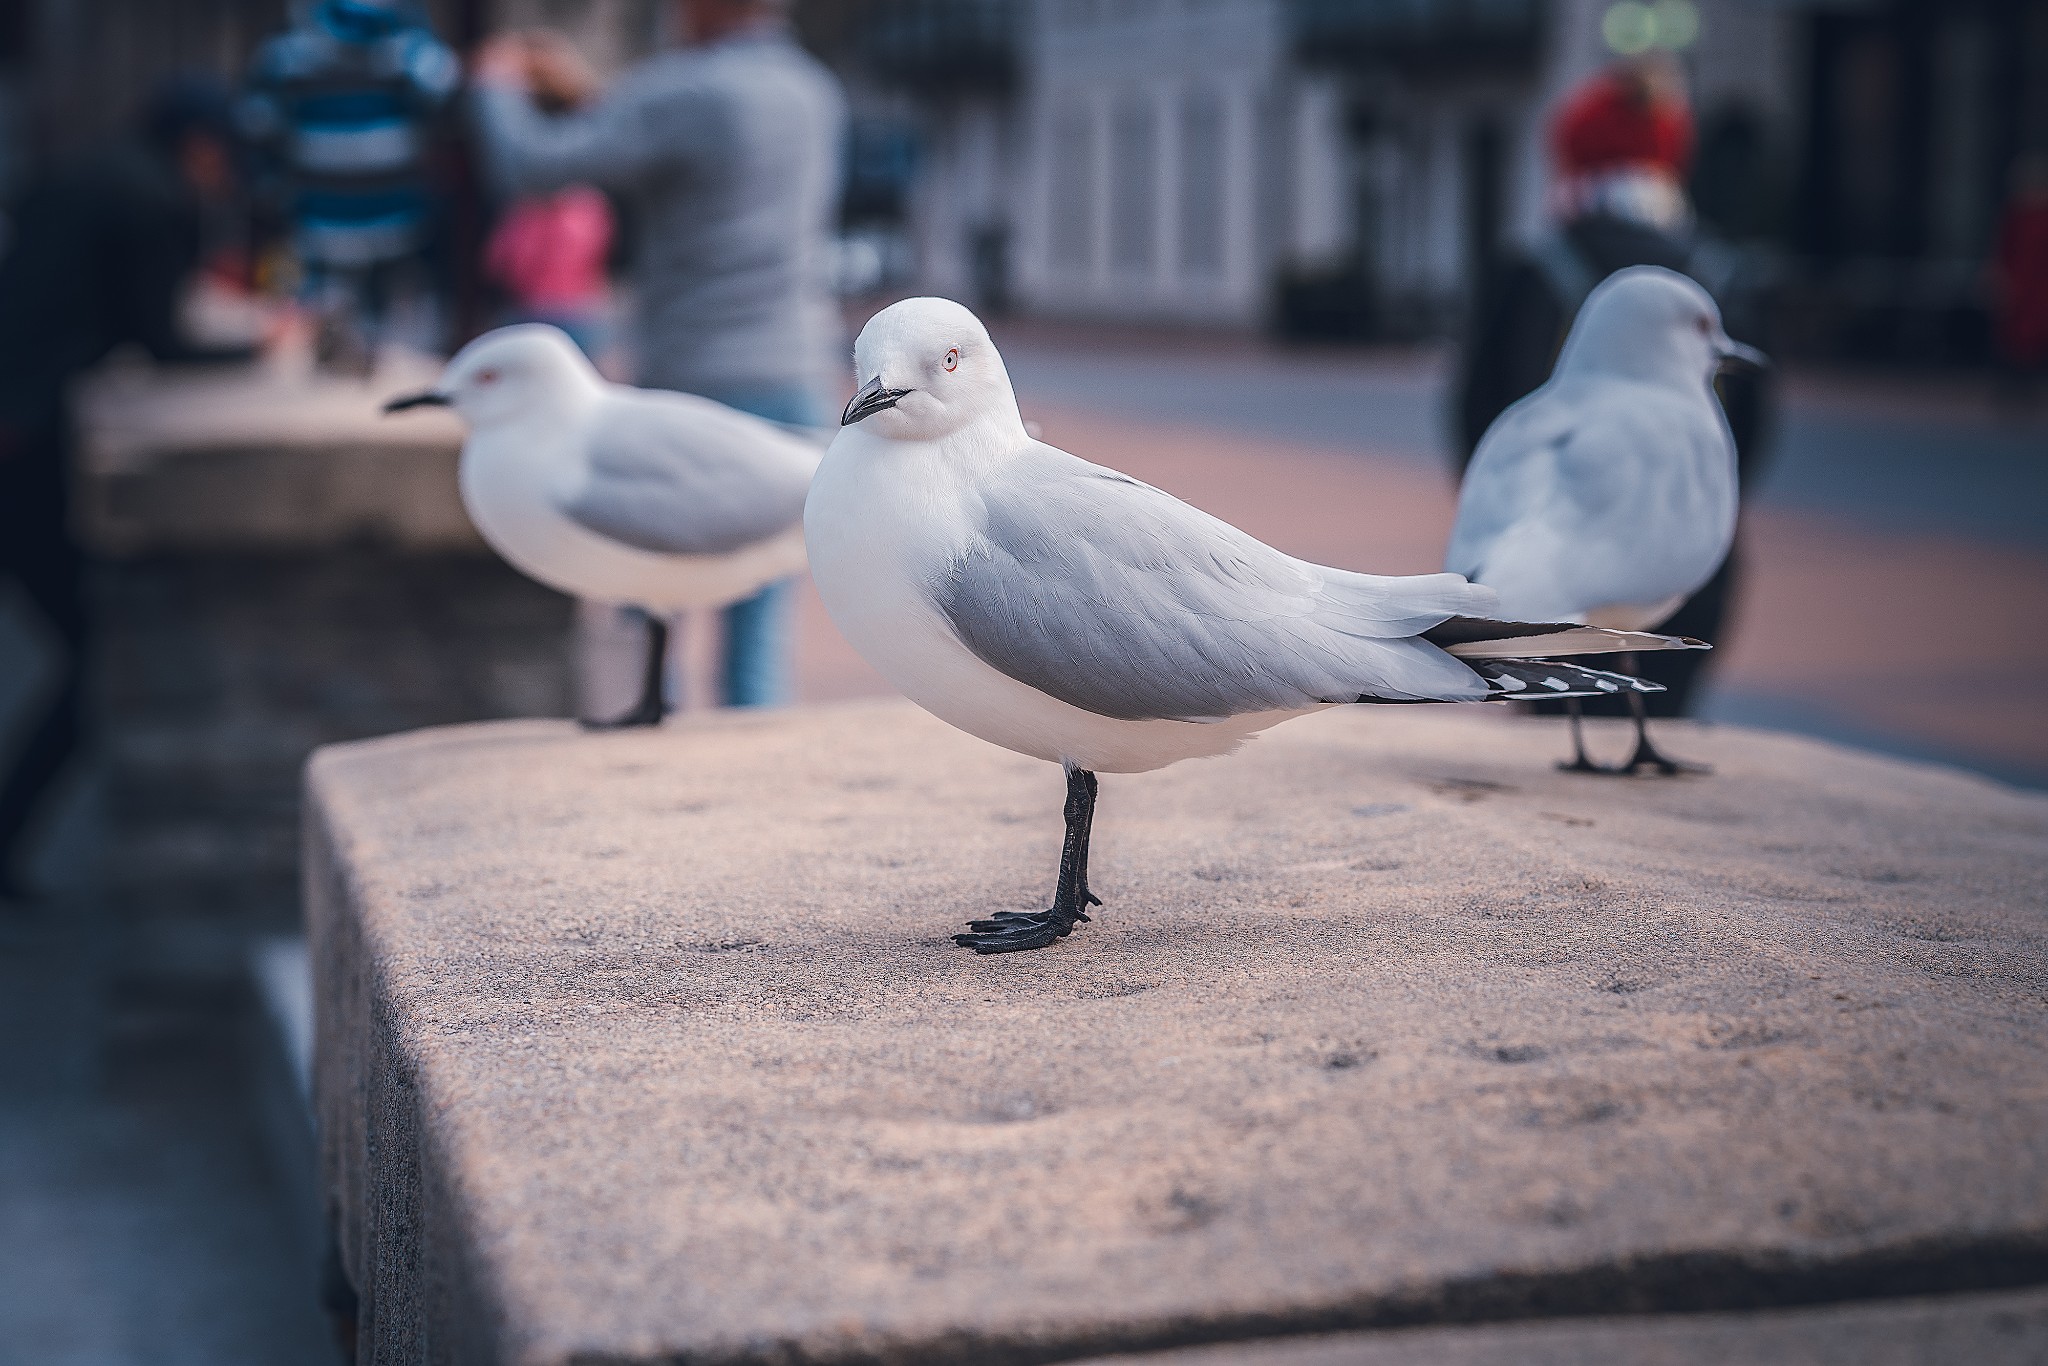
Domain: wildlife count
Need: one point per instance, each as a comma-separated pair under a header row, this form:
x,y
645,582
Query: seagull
x,y
649,499
1071,613
1608,495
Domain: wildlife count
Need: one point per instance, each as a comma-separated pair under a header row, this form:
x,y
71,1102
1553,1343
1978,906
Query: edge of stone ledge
x,y
1636,1288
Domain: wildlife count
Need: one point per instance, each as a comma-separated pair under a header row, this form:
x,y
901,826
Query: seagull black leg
x,y
652,705
1578,763
1646,755
1015,931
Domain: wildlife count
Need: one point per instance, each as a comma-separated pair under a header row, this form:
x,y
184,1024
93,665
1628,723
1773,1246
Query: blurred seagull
x,y
1071,613
645,498
1608,495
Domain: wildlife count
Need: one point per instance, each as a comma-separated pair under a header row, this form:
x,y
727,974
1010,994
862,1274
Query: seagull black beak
x,y
1736,356
871,399
430,398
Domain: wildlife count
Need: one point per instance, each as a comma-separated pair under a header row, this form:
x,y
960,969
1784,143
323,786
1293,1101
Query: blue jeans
x,y
756,667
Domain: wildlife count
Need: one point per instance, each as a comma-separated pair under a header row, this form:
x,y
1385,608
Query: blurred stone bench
x,y
265,458
653,1047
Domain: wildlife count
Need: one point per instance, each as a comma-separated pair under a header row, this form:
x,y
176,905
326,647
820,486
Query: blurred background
x,y
1284,258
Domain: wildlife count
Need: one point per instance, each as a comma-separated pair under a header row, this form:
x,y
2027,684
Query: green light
x,y
1629,28
1677,23
1632,28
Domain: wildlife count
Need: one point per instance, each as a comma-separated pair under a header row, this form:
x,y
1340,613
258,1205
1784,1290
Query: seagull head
x,y
512,374
1650,323
925,370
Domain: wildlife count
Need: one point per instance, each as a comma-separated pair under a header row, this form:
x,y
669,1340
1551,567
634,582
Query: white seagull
x,y
1608,495
1071,613
640,497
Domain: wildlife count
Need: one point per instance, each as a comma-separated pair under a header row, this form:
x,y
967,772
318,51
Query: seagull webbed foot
x,y
1642,759
640,715
1647,756
1016,931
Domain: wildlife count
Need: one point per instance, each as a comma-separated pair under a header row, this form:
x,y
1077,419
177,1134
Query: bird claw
x,y
1017,931
1663,767
638,716
1655,762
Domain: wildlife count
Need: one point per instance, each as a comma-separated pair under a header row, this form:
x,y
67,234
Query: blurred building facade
x,y
1348,166
1206,160
1338,166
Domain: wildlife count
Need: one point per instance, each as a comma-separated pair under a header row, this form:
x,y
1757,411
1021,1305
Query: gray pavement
x,y
1869,454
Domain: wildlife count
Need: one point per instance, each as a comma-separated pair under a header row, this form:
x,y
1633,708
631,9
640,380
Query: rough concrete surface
x,y
649,1047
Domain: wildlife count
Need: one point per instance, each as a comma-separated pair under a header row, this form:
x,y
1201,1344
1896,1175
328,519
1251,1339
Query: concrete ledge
x,y
653,1047
249,458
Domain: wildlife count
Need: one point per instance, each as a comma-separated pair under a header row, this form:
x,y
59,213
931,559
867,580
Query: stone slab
x,y
1982,1330
264,458
653,1046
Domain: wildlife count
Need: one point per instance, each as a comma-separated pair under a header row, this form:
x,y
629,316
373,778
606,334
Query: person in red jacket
x,y
2022,273
1622,143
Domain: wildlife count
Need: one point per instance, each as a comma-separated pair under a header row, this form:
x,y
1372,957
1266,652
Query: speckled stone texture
x,y
653,1047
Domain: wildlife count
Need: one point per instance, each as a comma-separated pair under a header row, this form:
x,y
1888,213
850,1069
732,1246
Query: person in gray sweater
x,y
727,152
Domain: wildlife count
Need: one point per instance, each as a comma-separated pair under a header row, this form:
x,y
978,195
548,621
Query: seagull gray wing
x,y
1578,497
1120,599
679,475
1510,478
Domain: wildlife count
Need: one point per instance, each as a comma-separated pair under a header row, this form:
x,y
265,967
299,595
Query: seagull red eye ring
x,y
953,359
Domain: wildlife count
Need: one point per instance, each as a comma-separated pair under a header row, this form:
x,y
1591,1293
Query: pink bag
x,y
549,253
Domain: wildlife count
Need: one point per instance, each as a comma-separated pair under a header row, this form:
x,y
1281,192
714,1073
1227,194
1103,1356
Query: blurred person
x,y
342,103
1621,145
549,252
2020,271
726,154
102,250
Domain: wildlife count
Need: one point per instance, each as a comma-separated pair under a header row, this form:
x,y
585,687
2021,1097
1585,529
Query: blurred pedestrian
x,y
343,104
101,252
2021,270
1621,144
549,252
726,154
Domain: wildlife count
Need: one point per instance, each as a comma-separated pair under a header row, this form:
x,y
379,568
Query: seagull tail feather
x,y
1534,678
1470,638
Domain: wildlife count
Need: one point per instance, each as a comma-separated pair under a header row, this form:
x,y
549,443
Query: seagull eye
x,y
953,359
1705,326
487,377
